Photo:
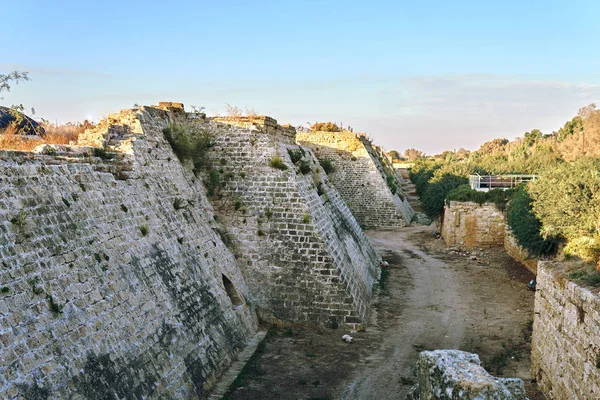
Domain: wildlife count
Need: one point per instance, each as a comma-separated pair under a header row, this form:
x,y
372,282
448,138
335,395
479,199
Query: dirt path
x,y
432,298
430,317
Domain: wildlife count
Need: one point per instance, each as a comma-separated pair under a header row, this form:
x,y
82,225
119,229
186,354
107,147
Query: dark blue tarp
x,y
27,127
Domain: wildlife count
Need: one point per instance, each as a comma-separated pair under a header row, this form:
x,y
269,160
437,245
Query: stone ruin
x,y
121,277
455,374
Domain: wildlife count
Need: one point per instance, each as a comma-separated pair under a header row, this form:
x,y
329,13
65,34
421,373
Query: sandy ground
x,y
433,298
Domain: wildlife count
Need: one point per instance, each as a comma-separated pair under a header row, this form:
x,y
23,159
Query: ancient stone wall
x,y
467,225
106,289
361,176
518,253
303,254
566,335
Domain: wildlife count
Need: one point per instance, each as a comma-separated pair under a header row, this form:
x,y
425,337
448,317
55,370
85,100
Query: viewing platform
x,y
487,182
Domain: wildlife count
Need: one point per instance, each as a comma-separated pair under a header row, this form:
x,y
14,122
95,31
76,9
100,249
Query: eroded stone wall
x,y
467,225
360,176
106,290
303,254
566,335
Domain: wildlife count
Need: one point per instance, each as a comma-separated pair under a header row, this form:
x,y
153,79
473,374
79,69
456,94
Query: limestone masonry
x,y
468,225
118,272
304,256
364,178
566,336
455,374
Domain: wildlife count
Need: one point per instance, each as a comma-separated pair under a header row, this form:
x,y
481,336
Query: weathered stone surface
x,y
454,374
565,346
90,306
304,256
360,176
117,280
467,225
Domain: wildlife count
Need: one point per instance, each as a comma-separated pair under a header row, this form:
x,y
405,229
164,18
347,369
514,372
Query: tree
x,y
493,146
531,138
14,77
413,154
573,126
393,155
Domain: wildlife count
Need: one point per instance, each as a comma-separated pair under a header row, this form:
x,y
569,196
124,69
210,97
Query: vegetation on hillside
x,y
563,205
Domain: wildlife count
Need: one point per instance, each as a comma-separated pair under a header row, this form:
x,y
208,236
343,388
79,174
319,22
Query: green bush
x,y
213,183
305,167
296,155
436,192
189,143
464,193
277,163
327,165
392,183
525,225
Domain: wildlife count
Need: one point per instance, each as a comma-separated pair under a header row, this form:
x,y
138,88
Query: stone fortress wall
x,y
118,273
304,256
360,177
566,335
468,225
106,290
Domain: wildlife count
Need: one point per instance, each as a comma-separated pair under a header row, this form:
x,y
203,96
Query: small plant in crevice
x,y
98,257
74,196
20,220
277,163
144,230
327,165
260,232
223,161
82,187
54,306
296,155
305,167
67,203
178,203
213,183
124,208
268,213
103,154
305,218
238,204
242,174
180,240
353,158
5,289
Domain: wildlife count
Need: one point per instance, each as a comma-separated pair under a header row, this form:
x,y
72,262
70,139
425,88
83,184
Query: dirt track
x,y
432,299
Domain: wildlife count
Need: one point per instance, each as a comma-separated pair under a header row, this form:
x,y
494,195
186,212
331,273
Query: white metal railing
x,y
488,182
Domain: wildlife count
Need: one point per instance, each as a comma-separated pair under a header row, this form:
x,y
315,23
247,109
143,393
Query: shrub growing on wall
x,y
189,143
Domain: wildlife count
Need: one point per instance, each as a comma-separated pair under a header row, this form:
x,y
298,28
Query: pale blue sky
x,y
433,75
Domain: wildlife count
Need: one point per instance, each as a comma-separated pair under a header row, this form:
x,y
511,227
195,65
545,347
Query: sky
x,y
431,75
